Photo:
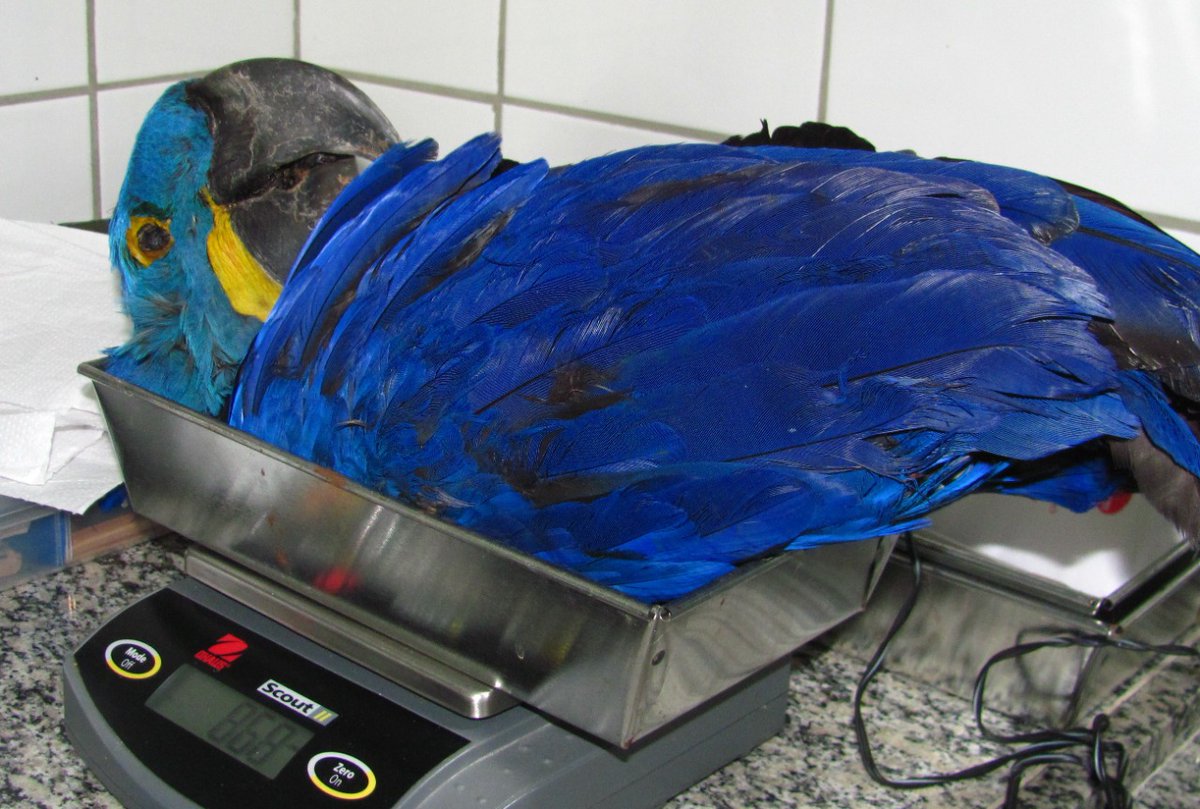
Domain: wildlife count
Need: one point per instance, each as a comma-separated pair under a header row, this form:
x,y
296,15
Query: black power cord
x,y
1103,760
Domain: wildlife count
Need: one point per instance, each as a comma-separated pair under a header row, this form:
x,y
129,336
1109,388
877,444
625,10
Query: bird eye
x,y
148,239
292,174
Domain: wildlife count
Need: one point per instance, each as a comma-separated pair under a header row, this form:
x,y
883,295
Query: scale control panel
x,y
227,717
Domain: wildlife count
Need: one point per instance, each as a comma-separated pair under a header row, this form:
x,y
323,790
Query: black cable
x,y
873,668
1051,746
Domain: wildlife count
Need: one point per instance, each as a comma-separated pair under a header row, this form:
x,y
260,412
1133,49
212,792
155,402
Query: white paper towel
x,y
59,306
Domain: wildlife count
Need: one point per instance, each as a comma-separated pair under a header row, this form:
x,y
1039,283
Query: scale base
x,y
517,759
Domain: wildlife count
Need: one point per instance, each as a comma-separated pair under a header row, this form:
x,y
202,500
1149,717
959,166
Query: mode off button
x,y
133,659
341,776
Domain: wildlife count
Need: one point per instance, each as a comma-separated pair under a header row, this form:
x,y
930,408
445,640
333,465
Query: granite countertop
x,y
813,763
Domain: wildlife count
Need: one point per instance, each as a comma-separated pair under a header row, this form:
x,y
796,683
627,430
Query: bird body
x,y
653,366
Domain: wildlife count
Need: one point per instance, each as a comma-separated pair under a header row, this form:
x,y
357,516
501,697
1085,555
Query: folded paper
x,y
61,306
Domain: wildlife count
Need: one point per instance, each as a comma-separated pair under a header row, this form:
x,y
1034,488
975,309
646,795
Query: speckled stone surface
x,y
43,620
813,763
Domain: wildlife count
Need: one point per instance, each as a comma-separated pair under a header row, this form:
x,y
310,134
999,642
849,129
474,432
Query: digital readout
x,y
236,724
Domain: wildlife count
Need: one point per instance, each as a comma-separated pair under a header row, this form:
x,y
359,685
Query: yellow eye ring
x,y
148,238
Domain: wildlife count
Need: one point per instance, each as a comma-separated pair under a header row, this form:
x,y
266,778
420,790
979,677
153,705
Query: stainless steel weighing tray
x,y
449,614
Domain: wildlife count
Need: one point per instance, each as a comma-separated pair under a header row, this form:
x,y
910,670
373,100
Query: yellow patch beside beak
x,y
251,291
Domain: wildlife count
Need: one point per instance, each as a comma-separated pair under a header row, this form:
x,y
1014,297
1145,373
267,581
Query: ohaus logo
x,y
224,653
297,702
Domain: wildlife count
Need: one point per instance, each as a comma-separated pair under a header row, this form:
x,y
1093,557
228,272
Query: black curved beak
x,y
286,135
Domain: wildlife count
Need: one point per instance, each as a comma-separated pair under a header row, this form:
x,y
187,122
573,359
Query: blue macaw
x,y
653,366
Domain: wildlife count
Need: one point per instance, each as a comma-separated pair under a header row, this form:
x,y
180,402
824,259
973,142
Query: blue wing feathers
x,y
652,366
379,177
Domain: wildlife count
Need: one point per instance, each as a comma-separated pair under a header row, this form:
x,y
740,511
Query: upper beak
x,y
285,138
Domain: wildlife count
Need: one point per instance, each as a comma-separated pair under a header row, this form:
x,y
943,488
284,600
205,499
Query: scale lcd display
x,y
242,727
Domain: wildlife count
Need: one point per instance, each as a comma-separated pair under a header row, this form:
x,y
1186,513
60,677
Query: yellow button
x,y
341,776
133,659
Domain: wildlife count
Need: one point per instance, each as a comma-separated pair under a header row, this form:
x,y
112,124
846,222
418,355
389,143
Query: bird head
x,y
228,175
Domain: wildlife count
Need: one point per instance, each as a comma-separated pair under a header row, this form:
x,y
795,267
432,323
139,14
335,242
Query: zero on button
x,y
133,659
341,776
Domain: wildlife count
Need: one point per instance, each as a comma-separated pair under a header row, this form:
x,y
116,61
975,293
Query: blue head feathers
x,y
188,340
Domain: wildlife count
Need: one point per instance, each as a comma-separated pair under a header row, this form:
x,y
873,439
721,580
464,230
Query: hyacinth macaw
x,y
228,175
652,366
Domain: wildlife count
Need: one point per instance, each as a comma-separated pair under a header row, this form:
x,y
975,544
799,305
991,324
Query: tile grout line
x,y
93,95
442,90
13,99
296,29
497,100
1164,220
501,53
826,60
490,98
616,119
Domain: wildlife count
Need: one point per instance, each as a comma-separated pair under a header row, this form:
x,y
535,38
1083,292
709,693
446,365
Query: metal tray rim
x,y
943,551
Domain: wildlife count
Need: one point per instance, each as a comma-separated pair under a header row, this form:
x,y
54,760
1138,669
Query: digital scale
x,y
331,647
190,698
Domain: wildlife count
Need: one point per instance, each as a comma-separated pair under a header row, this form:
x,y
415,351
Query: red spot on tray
x,y
1114,503
335,580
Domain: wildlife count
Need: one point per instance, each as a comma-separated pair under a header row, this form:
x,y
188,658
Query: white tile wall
x,y
46,174
530,134
139,38
451,43
43,45
707,64
1189,237
1102,92
1105,93
416,116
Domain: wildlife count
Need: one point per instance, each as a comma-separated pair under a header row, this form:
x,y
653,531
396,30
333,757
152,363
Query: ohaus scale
x,y
330,647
